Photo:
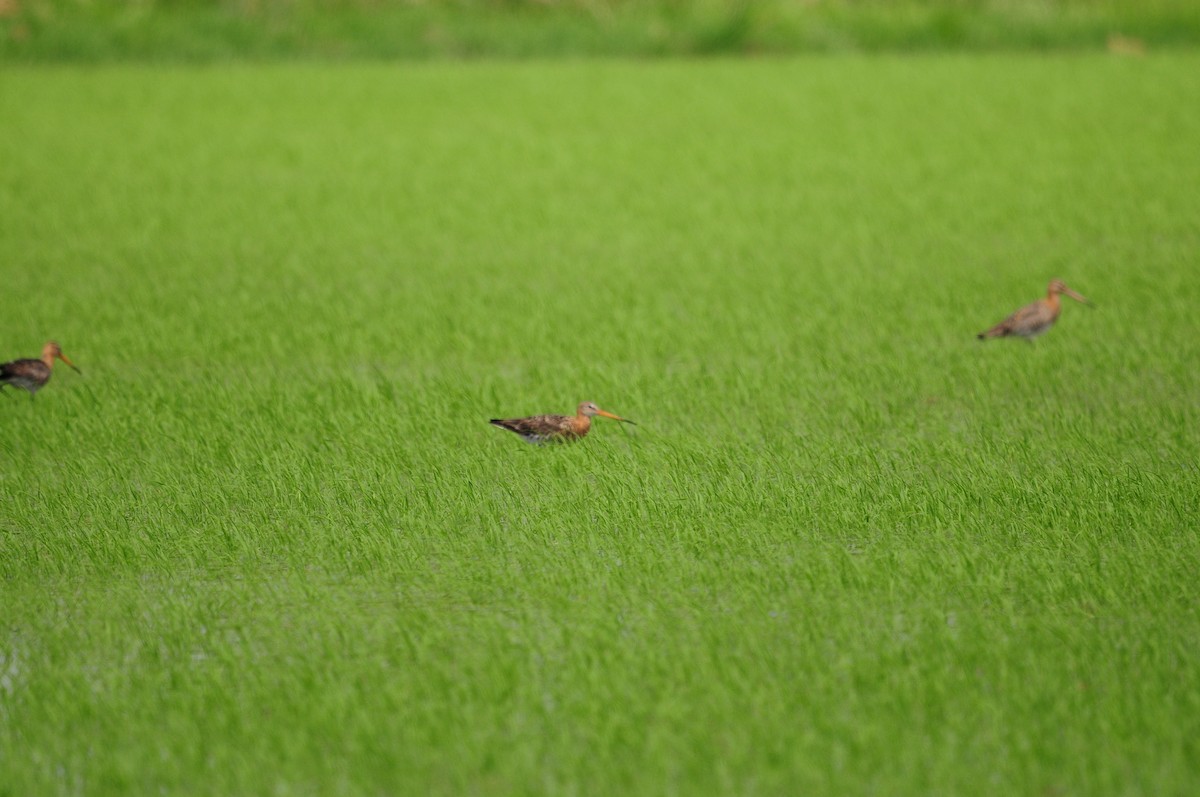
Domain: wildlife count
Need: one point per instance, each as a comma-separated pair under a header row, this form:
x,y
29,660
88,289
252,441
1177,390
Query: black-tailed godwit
x,y
30,374
556,428
1034,319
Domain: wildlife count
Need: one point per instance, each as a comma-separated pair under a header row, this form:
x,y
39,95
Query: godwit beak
x,y
615,417
64,358
1081,299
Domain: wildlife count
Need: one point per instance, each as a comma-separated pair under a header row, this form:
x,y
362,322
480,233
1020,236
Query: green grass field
x,y
268,543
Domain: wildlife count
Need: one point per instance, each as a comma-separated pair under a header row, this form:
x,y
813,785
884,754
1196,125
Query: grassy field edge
x,y
63,30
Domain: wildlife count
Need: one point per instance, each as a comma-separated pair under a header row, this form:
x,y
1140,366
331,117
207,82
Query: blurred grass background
x,y
90,31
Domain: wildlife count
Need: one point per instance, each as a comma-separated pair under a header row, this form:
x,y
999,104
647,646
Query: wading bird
x,y
1034,319
556,428
30,374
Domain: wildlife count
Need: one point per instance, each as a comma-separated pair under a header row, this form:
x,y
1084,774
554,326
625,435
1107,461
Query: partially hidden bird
x,y
540,429
1036,318
30,374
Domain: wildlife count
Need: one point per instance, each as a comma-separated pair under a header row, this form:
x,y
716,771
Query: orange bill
x,y
67,360
615,417
1076,296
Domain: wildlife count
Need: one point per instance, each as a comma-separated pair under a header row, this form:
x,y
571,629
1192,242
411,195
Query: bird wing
x,y
539,428
1031,316
24,369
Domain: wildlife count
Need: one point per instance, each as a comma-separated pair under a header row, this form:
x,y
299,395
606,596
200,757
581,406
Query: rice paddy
x,y
268,542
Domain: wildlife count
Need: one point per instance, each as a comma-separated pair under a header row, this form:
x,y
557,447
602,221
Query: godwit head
x,y
52,350
1057,287
588,409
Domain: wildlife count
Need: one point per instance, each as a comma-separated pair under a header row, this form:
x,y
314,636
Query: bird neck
x,y
580,424
48,359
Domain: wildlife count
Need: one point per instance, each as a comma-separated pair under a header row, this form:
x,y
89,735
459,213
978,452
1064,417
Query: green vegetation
x,y
268,543
207,30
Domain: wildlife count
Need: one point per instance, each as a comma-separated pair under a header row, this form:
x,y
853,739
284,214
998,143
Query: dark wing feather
x,y
26,369
539,428
1031,316
1003,329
